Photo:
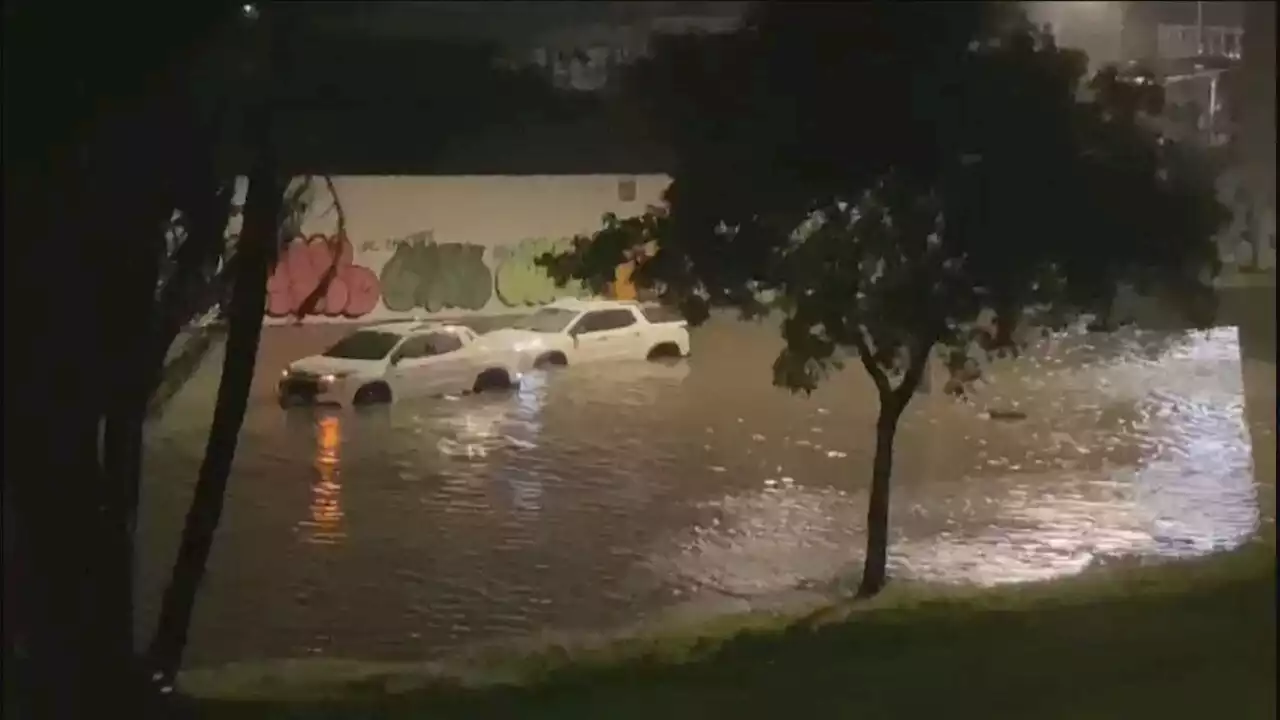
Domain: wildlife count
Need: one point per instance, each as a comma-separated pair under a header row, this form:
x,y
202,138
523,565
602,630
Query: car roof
x,y
592,304
413,327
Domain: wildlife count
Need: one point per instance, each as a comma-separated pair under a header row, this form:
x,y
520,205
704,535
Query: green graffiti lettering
x,y
399,281
435,277
520,281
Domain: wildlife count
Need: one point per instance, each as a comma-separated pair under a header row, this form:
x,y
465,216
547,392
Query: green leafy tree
x,y
900,179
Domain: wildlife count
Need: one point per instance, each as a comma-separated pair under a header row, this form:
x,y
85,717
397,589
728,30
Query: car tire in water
x,y
372,394
549,360
492,379
665,351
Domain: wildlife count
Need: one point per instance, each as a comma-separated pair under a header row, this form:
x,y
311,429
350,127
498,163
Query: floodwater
x,y
597,497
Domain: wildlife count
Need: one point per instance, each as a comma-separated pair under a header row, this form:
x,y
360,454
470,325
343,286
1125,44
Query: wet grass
x,y
1195,639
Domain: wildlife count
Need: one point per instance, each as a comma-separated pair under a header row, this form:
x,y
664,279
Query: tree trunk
x,y
247,305
893,400
68,624
122,458
875,566
66,620
87,175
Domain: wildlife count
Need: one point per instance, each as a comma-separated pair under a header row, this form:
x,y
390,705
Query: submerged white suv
x,y
397,360
571,331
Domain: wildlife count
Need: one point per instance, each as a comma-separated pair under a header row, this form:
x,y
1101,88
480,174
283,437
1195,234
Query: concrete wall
x,y
444,246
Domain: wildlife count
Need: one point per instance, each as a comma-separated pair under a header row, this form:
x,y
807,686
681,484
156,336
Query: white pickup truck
x,y
397,360
570,331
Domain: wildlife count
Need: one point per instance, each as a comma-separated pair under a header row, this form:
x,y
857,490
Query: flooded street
x,y
596,497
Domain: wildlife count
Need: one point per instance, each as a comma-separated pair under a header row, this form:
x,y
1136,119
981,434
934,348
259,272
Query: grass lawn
x,y
1195,639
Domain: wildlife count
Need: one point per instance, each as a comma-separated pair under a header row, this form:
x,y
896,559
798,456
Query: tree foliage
x,y
898,177
902,167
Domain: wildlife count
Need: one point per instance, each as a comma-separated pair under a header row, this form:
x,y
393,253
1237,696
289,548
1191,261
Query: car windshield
x,y
546,320
364,345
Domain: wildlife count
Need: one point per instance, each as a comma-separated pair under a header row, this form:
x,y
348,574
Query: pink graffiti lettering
x,y
352,292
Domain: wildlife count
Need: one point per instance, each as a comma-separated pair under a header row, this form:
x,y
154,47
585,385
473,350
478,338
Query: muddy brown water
x,y
596,497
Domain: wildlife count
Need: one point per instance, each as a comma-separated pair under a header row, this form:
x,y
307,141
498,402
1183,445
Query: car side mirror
x,y
395,359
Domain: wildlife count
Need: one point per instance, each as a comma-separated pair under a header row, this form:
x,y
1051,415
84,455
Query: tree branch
x,y
248,301
868,358
308,306
337,205
917,365
207,217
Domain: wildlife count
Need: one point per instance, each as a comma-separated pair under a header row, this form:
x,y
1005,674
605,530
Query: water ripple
x,y
594,496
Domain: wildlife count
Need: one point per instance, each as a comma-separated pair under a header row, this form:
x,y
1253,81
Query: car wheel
x,y
665,351
551,359
375,394
492,379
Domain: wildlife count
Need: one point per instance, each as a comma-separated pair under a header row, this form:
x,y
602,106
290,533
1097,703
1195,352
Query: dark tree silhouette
x,y
93,175
103,147
896,178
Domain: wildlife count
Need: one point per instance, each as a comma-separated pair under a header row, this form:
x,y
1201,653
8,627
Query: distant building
x,y
1146,32
1192,47
586,56
1154,32
1217,63
1186,41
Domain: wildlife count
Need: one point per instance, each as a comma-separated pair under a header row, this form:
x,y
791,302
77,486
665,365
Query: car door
x,y
606,334
408,371
436,366
447,368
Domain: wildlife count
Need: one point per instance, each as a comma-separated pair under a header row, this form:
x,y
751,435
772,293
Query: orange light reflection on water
x,y
324,526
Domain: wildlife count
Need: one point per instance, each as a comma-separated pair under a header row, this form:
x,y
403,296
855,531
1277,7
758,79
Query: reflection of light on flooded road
x,y
530,394
479,426
1144,455
324,527
521,434
775,539
474,429
1189,491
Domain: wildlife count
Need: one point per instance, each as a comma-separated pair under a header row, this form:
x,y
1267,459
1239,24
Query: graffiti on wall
x,y
519,280
351,293
391,244
422,275
433,277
